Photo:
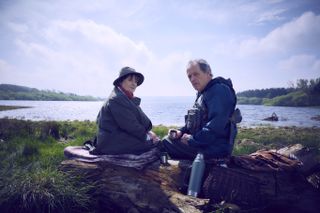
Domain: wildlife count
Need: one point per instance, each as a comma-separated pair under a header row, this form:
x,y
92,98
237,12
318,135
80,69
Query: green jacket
x,y
123,126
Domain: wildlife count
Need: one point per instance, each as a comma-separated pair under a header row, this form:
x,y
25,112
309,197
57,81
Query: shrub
x,y
160,130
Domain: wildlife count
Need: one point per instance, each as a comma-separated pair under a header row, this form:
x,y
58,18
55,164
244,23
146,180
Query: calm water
x,y
161,110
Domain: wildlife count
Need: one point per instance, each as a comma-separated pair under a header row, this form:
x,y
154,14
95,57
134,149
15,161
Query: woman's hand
x,y
153,136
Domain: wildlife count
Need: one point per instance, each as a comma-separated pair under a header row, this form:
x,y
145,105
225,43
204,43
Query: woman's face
x,y
130,83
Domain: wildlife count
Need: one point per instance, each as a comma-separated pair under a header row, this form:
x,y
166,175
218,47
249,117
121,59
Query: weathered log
x,y
120,189
308,157
263,191
279,189
158,188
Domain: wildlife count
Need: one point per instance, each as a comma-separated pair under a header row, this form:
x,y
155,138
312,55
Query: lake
x,y
161,110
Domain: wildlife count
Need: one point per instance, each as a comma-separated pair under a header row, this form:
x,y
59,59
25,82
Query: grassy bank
x,y
5,107
29,177
251,139
31,153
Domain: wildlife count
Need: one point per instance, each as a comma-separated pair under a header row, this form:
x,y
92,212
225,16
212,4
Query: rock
x,y
246,142
273,117
316,118
249,143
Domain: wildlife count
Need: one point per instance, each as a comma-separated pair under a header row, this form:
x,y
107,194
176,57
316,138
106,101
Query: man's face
x,y
198,78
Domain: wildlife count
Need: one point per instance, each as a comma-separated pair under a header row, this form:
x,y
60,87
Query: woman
x,y
123,126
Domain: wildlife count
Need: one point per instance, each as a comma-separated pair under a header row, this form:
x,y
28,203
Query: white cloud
x,y
84,57
4,67
105,44
288,52
167,76
273,15
316,67
306,64
235,12
102,35
301,34
273,1
35,50
11,75
75,47
18,27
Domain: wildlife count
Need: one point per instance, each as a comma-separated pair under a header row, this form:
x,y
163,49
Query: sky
x,y
79,46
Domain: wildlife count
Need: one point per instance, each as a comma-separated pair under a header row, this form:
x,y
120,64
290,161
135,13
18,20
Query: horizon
x,y
77,47
144,96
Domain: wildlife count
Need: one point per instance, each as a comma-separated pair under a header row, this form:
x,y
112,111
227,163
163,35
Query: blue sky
x,y
79,46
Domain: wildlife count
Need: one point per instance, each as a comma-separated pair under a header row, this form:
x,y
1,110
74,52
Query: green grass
x,y
161,130
31,182
31,152
34,188
266,137
274,138
29,177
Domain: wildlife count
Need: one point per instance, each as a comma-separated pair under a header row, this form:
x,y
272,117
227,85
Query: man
x,y
208,126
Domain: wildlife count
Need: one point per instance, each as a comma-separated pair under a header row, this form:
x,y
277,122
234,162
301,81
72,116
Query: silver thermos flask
x,y
197,171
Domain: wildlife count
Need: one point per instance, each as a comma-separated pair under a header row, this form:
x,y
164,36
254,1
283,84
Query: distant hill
x,y
305,93
15,92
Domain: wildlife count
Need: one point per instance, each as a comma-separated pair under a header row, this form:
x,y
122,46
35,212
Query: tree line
x,y
310,86
16,92
304,93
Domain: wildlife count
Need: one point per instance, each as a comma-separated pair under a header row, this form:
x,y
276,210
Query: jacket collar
x,y
135,100
216,81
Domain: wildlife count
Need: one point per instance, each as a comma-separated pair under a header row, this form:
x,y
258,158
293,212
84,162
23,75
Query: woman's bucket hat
x,y
124,72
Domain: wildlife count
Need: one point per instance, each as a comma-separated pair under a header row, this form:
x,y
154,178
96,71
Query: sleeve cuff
x,y
192,142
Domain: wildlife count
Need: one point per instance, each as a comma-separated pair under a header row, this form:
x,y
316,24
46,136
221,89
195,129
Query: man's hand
x,y
185,138
177,134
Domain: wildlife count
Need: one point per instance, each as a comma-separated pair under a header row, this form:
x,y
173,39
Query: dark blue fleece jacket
x,y
219,99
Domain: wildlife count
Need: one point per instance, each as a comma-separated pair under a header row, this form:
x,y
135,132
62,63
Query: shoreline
x,y
64,130
267,126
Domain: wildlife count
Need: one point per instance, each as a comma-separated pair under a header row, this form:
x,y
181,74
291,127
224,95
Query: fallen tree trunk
x,y
158,188
120,189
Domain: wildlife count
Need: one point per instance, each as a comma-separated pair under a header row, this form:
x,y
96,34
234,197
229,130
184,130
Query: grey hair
x,y
203,64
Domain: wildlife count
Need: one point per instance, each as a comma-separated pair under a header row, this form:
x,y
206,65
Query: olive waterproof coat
x,y
123,126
